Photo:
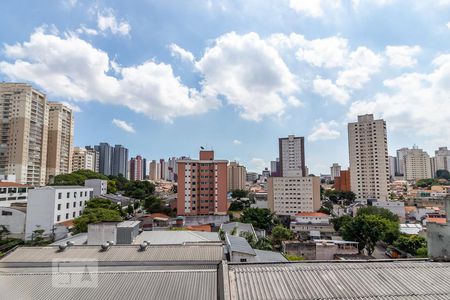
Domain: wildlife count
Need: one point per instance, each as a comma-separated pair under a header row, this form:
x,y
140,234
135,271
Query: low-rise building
x,y
54,205
395,207
239,250
13,218
99,186
116,232
320,249
11,192
312,225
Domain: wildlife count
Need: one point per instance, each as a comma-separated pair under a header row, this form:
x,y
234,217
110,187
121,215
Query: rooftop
x,y
11,184
312,214
351,280
239,244
176,237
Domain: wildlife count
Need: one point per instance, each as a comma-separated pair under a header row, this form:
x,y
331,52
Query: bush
x,y
293,257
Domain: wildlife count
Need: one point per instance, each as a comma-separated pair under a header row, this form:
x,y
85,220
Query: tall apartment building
x,y
292,156
335,170
289,196
83,159
105,158
275,168
202,186
342,182
119,161
417,164
24,129
392,166
137,168
154,170
164,172
368,155
237,176
60,140
400,171
441,160
96,155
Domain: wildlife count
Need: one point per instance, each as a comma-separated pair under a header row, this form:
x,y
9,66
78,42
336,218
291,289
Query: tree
x,y
138,189
37,237
411,244
236,206
382,212
120,181
112,187
153,204
77,177
261,218
444,174
95,215
281,233
339,222
130,209
239,194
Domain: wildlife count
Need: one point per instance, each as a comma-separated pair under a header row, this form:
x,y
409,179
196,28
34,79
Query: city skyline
x,y
320,67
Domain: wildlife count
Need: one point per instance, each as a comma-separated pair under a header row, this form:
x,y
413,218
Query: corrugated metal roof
x,y
239,244
370,280
176,237
119,253
269,256
161,285
240,227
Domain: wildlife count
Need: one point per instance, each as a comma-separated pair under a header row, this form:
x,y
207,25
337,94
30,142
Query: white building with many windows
x,y
53,206
292,195
11,192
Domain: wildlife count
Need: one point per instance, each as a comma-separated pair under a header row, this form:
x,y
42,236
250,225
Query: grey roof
x,y
78,239
161,285
128,224
269,256
240,227
406,280
176,237
239,244
63,187
119,254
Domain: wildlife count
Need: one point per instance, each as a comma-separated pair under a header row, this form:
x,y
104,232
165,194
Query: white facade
x,y
50,205
335,171
392,166
395,207
291,195
368,156
313,218
99,186
417,164
13,219
11,192
292,156
441,159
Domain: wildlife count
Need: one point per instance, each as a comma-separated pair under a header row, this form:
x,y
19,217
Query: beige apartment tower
x,y
84,159
417,164
237,176
60,140
368,156
24,126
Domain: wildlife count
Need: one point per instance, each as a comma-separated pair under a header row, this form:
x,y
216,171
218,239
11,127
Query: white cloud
x,y
313,8
237,142
326,88
416,102
328,52
249,73
177,51
448,25
324,131
72,106
402,56
71,68
258,164
107,21
123,125
85,30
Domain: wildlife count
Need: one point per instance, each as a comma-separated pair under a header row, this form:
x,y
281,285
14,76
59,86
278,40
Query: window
x,y
74,194
243,260
68,195
67,216
81,203
74,204
73,214
58,218
6,213
59,206
59,195
67,205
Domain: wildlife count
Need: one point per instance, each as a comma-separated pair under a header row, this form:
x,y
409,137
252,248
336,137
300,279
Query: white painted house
x,y
54,206
100,186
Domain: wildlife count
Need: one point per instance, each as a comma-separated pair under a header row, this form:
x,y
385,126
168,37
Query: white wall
x,y
15,222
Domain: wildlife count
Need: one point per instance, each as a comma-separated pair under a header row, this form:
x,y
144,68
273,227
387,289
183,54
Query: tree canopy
x,y
374,210
281,233
412,244
138,189
261,218
239,194
154,204
77,177
97,210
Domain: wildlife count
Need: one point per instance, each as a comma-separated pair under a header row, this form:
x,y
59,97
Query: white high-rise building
x,y
335,170
441,160
368,156
417,164
154,170
24,132
292,156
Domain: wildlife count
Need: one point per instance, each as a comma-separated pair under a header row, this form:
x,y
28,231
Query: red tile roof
x,y
436,220
312,214
11,184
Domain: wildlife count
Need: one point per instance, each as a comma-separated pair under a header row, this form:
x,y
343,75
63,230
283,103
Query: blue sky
x,y
166,77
